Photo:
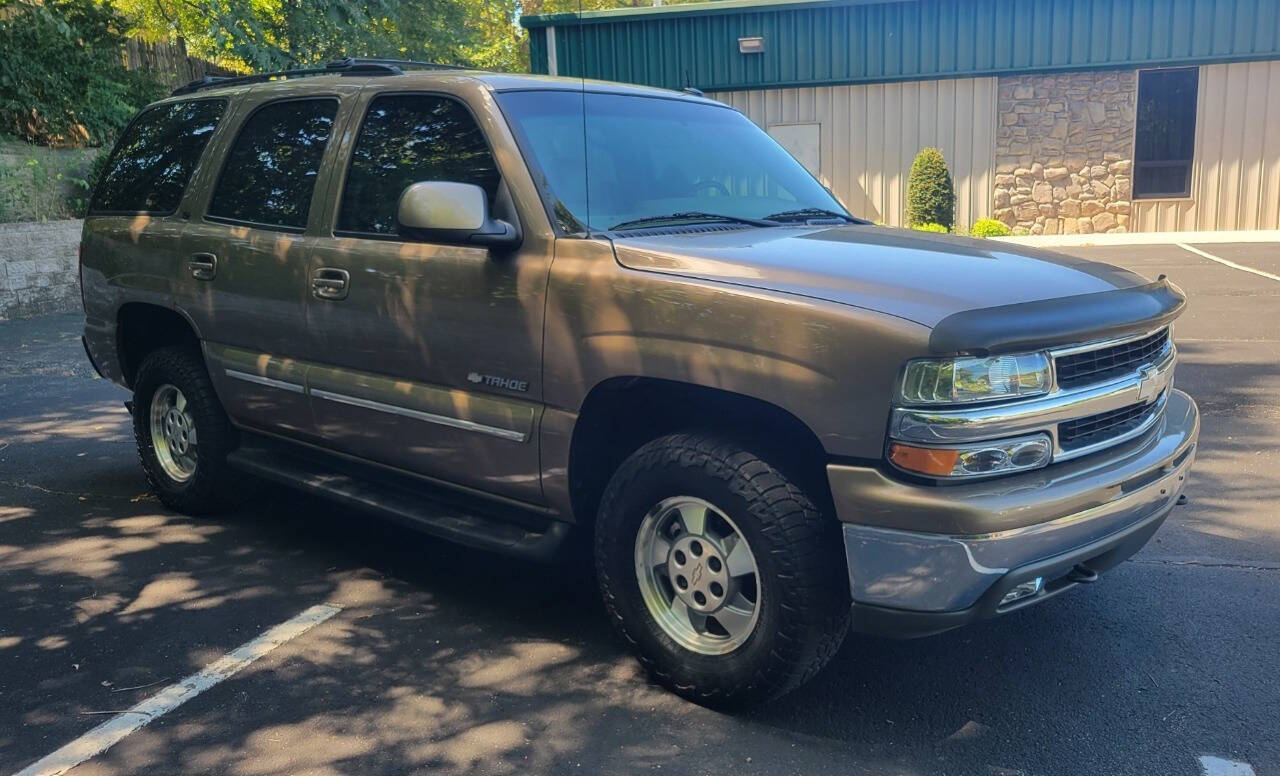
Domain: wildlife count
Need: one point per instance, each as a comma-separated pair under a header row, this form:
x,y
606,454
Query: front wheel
x,y
719,571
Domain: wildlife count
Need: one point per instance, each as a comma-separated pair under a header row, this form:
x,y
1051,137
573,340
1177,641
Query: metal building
x,y
1056,116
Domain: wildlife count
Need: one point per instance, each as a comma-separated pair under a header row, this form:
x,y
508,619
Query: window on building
x,y
1166,133
406,139
150,166
271,170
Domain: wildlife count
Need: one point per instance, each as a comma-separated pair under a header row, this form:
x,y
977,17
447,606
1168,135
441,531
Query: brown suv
x,y
514,311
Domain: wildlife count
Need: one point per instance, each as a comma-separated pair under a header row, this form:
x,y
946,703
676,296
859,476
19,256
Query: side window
x,y
1165,136
270,173
405,139
155,157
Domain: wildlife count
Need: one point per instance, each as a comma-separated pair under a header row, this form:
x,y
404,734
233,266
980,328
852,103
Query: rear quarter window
x,y
150,166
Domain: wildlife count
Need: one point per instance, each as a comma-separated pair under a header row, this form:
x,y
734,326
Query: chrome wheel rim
x,y
173,433
697,575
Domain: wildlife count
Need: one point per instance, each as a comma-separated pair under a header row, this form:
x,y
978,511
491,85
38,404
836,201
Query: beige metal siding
x,y
1235,179
871,133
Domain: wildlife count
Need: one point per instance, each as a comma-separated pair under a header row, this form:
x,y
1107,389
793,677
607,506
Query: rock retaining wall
x,y
39,268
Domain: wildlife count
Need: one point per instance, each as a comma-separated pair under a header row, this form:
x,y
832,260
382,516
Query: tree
x,y
931,195
62,79
280,34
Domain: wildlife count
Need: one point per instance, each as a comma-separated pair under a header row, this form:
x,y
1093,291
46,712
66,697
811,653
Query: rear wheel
x,y
183,434
720,572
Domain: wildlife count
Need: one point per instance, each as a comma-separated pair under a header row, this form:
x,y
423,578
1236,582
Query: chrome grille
x,y
1105,426
1095,366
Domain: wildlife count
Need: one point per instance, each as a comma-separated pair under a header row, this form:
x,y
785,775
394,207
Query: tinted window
x,y
271,170
406,139
1166,133
153,161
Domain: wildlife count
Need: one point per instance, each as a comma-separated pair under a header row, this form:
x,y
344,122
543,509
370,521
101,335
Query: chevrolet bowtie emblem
x,y
1148,383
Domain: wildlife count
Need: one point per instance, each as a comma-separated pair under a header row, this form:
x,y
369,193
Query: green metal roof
x,y
810,43
686,10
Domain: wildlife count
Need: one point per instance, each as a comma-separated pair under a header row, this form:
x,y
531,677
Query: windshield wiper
x,y
807,213
692,215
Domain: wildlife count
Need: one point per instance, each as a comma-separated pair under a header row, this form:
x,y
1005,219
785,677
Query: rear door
x,y
133,234
247,256
433,354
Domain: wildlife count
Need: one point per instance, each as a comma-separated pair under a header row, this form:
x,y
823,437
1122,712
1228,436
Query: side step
x,y
423,507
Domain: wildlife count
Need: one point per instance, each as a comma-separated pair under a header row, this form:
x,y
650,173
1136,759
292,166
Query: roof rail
x,y
345,66
413,64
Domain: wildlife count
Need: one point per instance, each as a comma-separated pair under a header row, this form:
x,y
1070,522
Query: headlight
x,y
961,380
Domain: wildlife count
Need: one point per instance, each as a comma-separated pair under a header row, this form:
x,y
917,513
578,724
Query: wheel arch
x,y
142,328
621,414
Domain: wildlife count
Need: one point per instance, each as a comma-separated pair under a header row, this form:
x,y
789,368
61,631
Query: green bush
x,y
931,195
63,82
96,170
989,227
939,228
44,184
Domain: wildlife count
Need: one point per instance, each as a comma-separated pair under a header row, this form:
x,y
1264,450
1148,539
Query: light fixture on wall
x,y
753,45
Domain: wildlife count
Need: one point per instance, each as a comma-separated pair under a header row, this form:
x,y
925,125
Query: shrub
x,y
63,82
989,227
931,195
939,228
98,167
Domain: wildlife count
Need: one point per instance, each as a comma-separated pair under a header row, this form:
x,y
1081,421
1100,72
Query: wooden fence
x,y
169,62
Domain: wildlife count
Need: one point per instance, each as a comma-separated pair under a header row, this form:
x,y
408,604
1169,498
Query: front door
x,y
433,352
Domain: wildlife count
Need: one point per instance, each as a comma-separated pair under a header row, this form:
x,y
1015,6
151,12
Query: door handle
x,y
329,283
203,266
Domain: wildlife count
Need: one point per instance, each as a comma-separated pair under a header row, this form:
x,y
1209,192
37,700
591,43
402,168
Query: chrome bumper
x,y
1010,529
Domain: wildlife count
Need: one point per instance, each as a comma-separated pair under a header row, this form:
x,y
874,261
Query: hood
x,y
914,275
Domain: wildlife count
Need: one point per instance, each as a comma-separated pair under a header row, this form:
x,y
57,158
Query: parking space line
x,y
1218,766
111,732
1231,264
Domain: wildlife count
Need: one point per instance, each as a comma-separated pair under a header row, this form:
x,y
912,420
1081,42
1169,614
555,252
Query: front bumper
x,y
924,559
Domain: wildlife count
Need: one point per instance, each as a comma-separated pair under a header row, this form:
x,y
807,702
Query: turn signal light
x,y
924,460
1003,457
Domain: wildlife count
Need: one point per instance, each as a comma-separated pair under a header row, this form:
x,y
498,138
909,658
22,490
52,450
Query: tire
x,y
209,485
801,609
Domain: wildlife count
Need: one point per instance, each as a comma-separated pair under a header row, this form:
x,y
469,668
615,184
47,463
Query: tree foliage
x,y
62,77
279,34
931,195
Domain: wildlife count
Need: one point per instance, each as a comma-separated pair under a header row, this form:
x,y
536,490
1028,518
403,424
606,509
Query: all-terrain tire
x,y
213,486
804,599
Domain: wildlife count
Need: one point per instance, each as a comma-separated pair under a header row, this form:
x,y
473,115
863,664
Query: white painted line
x,y
111,732
1231,264
1217,766
1144,238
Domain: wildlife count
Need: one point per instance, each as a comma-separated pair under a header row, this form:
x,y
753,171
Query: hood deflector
x,y
1063,321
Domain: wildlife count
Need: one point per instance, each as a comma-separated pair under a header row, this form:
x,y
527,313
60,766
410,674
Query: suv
x,y
541,316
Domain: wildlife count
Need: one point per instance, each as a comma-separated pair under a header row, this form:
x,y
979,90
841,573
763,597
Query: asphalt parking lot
x,y
452,661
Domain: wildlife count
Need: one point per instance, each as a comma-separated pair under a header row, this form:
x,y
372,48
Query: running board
x,y
417,507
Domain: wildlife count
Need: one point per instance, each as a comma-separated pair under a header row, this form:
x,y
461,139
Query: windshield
x,y
647,160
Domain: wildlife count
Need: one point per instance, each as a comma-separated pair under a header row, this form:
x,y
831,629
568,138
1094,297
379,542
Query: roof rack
x,y
344,66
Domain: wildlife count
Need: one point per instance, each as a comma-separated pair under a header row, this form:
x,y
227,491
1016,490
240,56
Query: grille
x,y
1095,366
1082,432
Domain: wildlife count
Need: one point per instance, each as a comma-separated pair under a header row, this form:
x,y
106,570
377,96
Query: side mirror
x,y
440,211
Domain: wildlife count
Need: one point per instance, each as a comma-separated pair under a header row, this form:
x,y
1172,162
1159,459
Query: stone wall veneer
x,y
1064,151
